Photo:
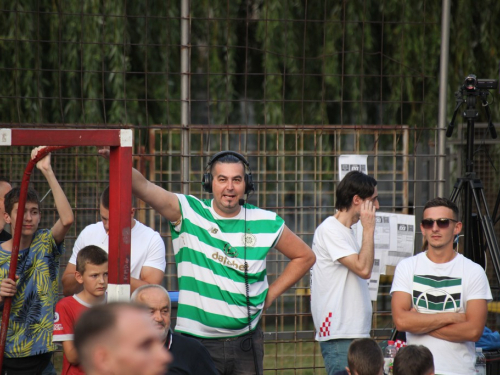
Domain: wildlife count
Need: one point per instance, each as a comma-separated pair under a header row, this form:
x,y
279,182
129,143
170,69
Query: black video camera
x,y
471,83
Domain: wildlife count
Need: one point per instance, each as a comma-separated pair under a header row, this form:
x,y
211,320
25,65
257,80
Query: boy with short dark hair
x,y
413,360
34,293
92,274
364,357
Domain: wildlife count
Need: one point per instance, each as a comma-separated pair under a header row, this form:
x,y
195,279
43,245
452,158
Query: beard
x,y
164,334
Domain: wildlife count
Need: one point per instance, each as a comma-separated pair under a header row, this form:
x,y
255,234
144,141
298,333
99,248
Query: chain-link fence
x,y
292,85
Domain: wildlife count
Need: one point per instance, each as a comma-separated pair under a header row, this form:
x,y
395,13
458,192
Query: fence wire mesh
x,y
290,84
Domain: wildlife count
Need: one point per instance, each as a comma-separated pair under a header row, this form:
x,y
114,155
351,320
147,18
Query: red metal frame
x,y
120,183
59,137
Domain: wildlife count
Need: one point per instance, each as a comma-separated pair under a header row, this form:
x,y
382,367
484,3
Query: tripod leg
x,y
492,242
478,245
457,188
486,224
495,210
464,185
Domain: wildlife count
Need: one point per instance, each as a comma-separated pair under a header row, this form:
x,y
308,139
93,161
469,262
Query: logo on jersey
x,y
225,261
249,240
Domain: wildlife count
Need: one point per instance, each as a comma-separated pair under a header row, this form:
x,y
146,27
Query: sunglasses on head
x,y
441,223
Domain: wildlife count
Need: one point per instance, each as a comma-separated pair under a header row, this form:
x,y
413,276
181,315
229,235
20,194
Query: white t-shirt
x,y
147,247
340,300
443,287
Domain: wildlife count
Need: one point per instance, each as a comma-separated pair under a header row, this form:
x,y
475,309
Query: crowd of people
x,y
439,297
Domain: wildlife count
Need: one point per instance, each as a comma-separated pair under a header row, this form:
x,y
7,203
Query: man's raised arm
x,y
66,217
162,201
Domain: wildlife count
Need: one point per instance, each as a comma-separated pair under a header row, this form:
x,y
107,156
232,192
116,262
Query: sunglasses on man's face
x,y
441,223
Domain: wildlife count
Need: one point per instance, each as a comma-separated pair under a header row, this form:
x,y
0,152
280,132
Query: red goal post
x,y
120,142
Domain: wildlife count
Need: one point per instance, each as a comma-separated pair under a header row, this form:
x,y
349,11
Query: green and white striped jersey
x,y
209,252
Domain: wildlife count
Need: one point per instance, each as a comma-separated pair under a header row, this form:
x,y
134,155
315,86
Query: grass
x,y
293,358
280,358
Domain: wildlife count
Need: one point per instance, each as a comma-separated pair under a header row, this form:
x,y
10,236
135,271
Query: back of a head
x,y
12,197
365,357
96,325
105,198
354,183
90,255
413,360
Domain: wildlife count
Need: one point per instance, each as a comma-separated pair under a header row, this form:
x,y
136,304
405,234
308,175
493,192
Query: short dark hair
x,y
12,197
443,202
96,323
413,360
227,158
90,255
354,183
365,357
105,198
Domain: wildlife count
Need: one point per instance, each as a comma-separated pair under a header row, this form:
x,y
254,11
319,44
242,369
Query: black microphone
x,y
241,202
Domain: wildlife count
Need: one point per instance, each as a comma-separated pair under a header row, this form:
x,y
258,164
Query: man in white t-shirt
x,y
340,301
439,297
147,251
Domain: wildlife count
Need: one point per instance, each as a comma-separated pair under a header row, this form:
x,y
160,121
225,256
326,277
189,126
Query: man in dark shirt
x,y
5,187
190,356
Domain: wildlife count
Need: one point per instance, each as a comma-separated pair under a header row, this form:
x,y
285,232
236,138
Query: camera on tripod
x,y
472,89
479,232
472,83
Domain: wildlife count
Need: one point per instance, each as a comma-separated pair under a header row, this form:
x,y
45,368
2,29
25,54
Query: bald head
x,y
156,299
5,187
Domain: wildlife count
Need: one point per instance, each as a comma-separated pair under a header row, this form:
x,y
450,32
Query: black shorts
x,y
33,365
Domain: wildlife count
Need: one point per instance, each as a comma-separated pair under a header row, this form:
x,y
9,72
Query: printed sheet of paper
x,y
348,163
374,280
405,240
394,240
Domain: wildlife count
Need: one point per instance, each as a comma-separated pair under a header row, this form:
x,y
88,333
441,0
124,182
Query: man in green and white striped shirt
x,y
219,303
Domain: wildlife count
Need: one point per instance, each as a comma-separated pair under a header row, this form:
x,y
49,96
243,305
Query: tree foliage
x,y
252,62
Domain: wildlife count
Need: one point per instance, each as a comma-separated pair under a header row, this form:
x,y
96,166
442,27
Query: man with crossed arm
x,y
439,297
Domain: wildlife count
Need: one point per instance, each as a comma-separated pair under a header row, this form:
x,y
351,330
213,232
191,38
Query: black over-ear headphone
x,y
208,178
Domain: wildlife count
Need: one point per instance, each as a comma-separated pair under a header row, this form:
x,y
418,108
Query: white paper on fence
x,y
378,263
383,243
374,279
405,239
384,237
348,163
